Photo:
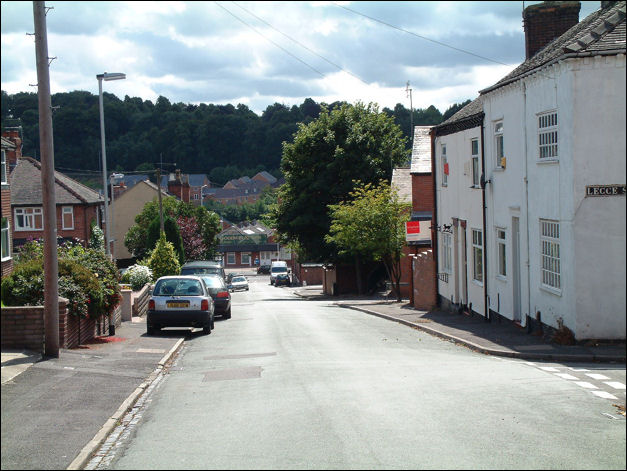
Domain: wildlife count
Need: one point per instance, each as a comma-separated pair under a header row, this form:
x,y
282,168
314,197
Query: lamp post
x,y
106,76
115,177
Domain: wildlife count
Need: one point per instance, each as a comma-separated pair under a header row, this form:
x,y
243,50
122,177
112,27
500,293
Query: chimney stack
x,y
546,21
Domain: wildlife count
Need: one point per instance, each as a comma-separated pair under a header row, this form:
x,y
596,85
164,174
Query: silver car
x,y
239,282
180,301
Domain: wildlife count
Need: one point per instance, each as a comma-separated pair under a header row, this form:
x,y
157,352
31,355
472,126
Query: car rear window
x,y
178,287
239,278
213,282
279,270
201,271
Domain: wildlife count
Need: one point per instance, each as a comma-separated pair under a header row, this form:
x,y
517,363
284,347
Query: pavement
x,y
102,381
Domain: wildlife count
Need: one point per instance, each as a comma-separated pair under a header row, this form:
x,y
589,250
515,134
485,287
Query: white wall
x,y
589,96
459,200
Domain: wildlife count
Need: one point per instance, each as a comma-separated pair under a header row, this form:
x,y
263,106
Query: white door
x,y
516,267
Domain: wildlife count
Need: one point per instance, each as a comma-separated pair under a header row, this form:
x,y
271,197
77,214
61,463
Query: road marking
x,y
150,350
596,376
585,384
615,384
548,368
604,394
565,376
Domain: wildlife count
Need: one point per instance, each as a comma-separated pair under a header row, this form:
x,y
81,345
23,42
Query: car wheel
x,y
213,325
151,329
227,314
206,329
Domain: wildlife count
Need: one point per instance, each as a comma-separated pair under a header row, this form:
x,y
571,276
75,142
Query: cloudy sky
x,y
259,53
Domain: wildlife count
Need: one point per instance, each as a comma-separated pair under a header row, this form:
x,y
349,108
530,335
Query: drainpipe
x,y
434,218
485,239
526,180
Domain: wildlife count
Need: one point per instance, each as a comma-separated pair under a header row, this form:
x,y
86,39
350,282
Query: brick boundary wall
x,y
23,327
425,293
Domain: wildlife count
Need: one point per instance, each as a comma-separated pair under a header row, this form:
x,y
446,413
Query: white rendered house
x,y
554,152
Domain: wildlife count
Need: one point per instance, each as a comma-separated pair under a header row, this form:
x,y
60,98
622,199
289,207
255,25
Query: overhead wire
x,y
418,35
301,44
270,40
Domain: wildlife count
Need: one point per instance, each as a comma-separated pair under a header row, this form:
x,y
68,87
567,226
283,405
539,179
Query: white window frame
x,y
245,256
6,239
444,163
477,255
499,143
548,135
230,258
501,252
447,252
550,268
5,173
28,214
67,210
474,158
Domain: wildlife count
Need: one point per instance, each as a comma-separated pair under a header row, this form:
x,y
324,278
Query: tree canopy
x,y
370,225
321,165
223,141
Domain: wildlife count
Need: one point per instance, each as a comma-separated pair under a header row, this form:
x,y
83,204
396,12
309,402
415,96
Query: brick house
x,y
10,151
77,205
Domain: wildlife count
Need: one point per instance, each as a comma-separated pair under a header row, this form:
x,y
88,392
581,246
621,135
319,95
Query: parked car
x,y
203,267
180,301
239,283
219,292
282,279
263,269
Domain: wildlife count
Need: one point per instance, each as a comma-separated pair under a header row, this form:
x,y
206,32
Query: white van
x,y
275,268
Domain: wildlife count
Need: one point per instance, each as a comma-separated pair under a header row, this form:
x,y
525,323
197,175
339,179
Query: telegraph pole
x,y
411,117
46,148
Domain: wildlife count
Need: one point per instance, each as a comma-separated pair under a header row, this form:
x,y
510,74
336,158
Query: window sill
x,y
27,230
6,259
498,169
501,278
475,187
547,161
553,291
477,282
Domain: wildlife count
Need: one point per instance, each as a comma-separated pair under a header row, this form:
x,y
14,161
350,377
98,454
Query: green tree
x,y
163,259
320,166
172,235
371,225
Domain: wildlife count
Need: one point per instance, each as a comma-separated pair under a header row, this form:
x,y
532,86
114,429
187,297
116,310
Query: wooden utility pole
x,y
46,148
160,203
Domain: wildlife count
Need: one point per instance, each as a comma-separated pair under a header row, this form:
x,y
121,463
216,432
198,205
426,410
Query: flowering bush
x,y
137,276
96,239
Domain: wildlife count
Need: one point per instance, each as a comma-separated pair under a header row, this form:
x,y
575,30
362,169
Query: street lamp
x,y
106,76
115,178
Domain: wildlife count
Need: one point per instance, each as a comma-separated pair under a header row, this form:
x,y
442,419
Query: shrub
x,y
163,260
137,276
96,238
93,266
172,234
25,287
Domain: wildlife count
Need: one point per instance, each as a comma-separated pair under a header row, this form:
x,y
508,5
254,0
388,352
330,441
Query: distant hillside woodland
x,y
223,141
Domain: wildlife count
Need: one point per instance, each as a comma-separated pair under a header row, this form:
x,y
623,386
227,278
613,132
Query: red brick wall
x,y
422,192
83,215
425,282
23,327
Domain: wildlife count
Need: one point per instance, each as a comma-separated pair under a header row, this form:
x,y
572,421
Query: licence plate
x,y
177,303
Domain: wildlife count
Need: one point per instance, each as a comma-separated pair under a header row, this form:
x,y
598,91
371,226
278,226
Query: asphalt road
x,y
294,384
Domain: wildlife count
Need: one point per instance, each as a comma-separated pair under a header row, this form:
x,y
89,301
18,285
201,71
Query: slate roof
x,y
421,151
266,176
26,186
469,116
601,32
